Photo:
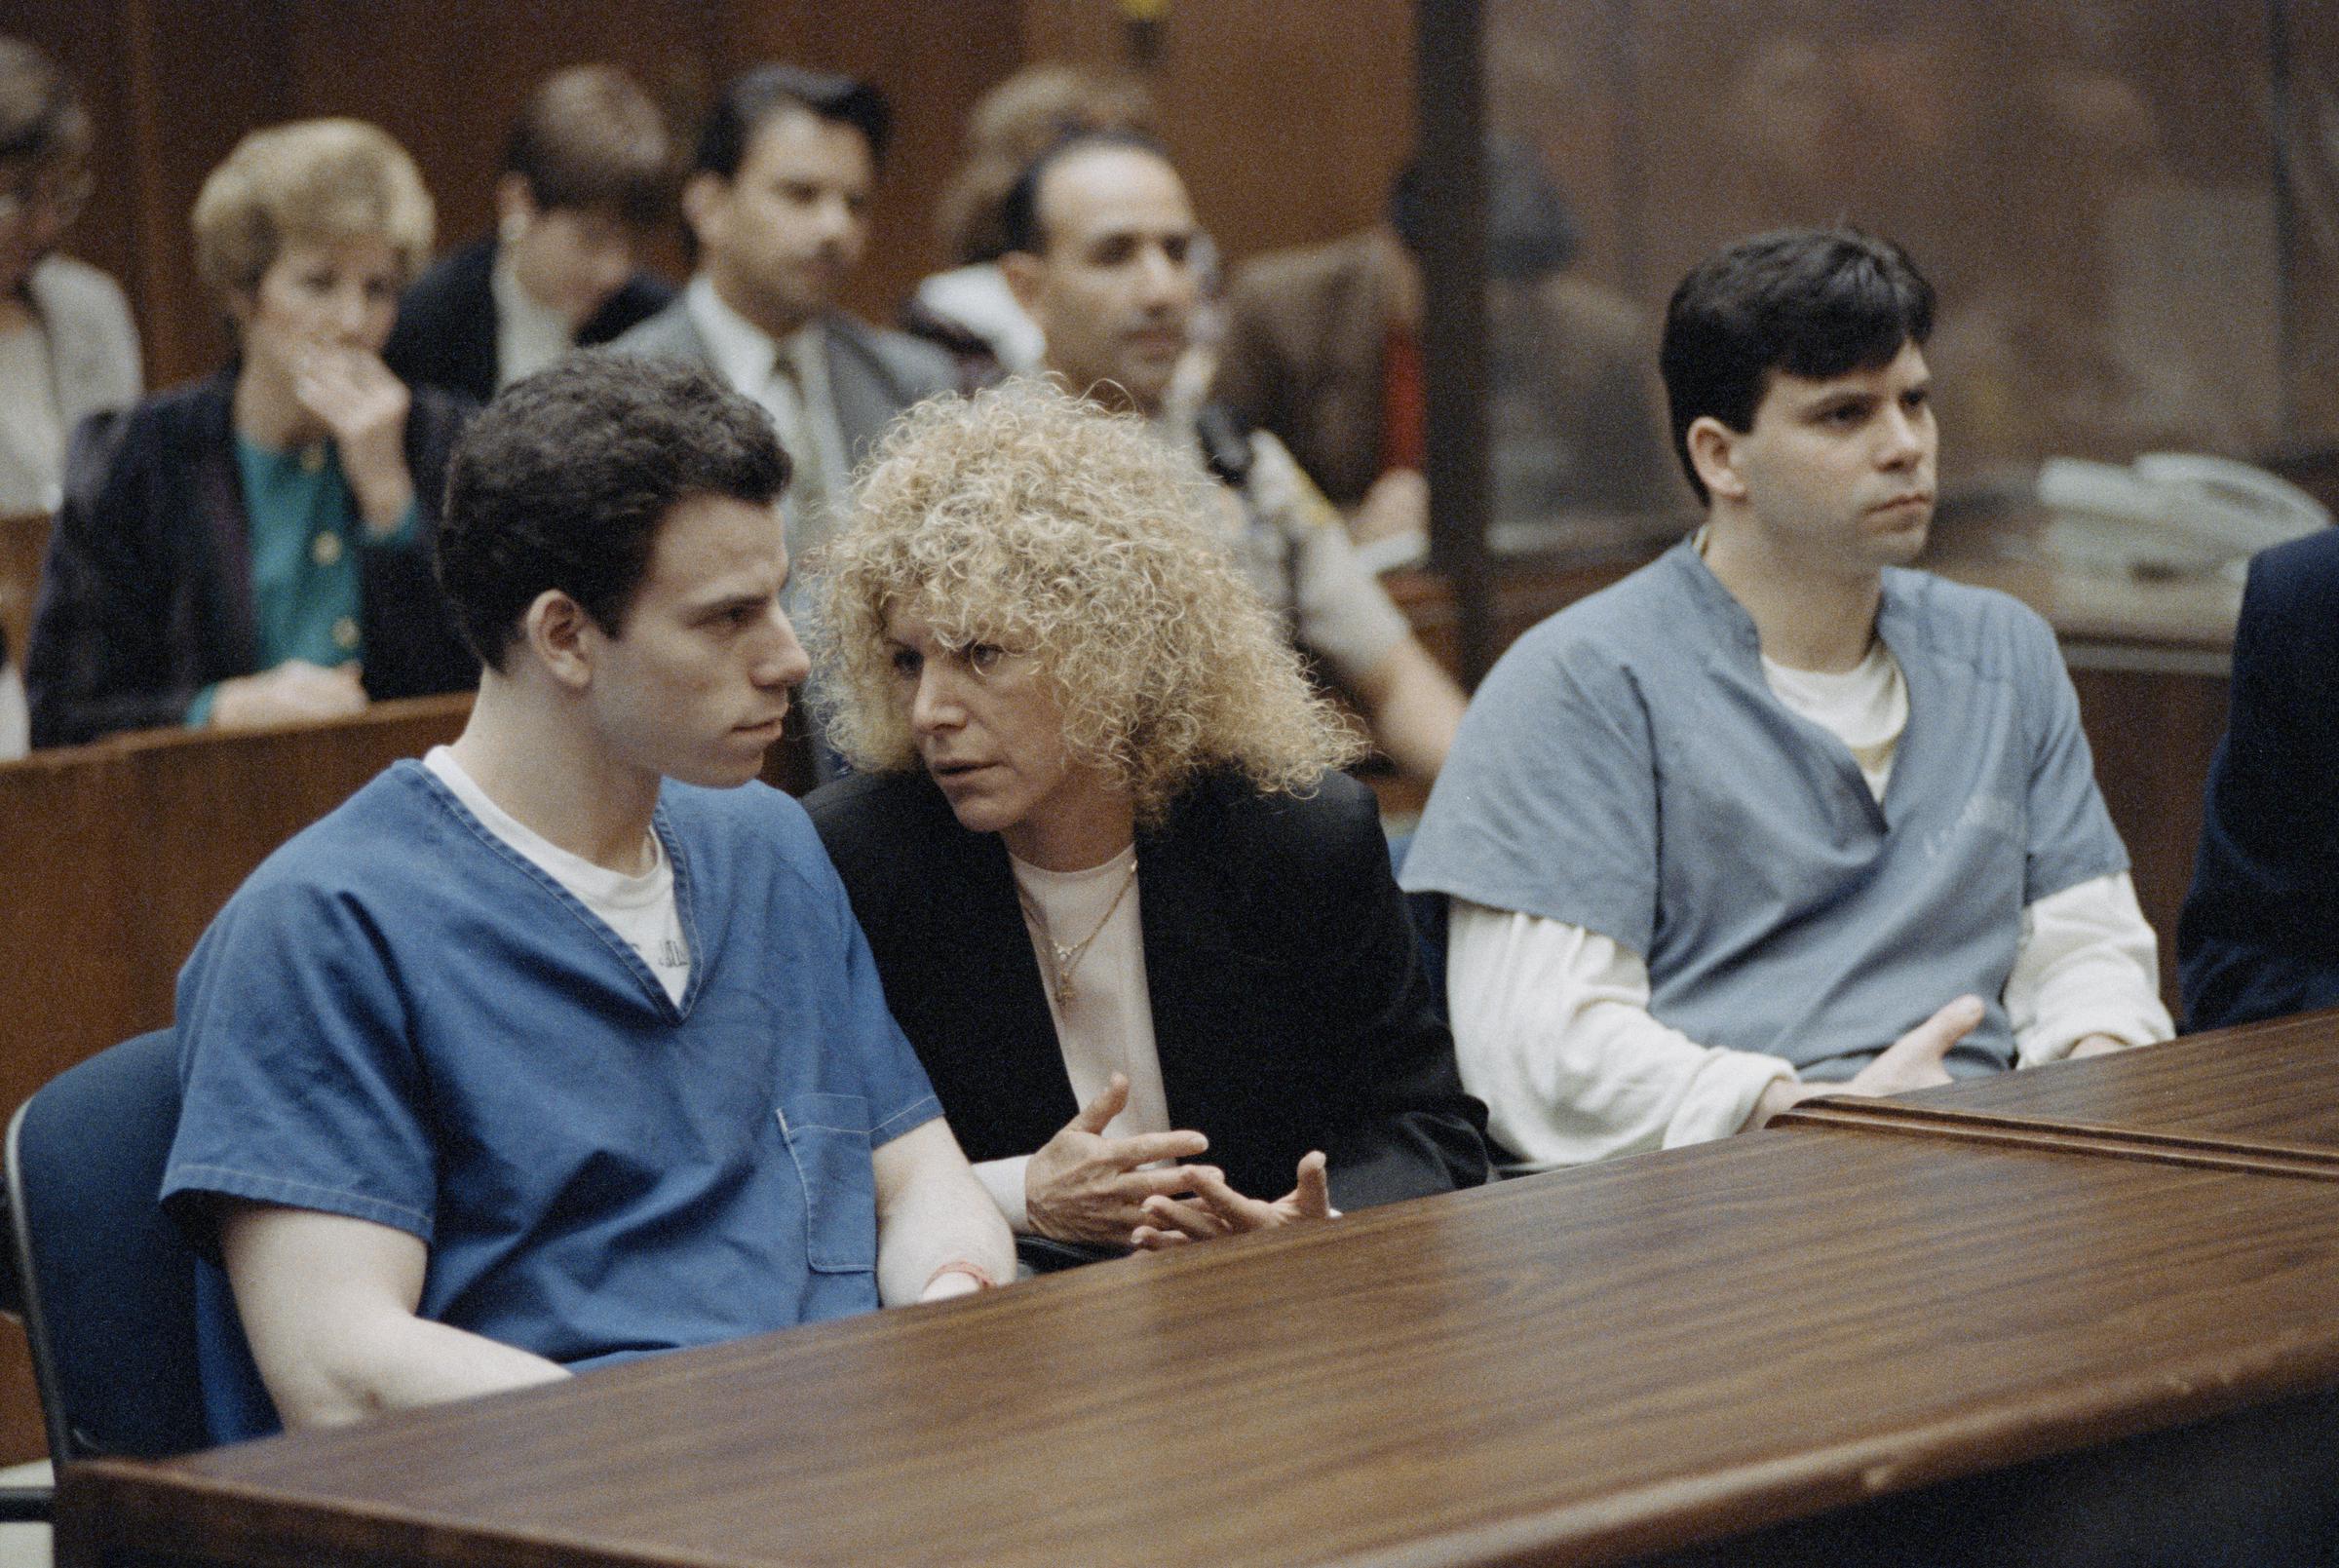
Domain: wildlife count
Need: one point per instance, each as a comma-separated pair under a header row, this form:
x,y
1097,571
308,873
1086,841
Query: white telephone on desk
x,y
2170,514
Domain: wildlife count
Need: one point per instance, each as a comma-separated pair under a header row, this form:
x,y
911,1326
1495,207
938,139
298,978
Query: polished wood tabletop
x,y
1576,1367
2266,1089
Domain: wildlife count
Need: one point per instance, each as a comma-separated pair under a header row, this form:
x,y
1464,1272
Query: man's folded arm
x,y
1552,1030
328,1306
939,1233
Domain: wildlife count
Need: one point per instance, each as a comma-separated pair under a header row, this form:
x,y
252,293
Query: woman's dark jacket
x,y
1289,1007
146,594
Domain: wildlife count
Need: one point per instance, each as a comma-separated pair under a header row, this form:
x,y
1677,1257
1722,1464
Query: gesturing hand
x,y
1215,1208
1083,1186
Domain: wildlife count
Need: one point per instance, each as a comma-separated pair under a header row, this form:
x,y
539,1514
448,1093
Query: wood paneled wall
x,y
1289,118
118,855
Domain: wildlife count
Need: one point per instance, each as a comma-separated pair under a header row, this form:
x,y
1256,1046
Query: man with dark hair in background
x,y
588,172
561,1046
778,205
1776,813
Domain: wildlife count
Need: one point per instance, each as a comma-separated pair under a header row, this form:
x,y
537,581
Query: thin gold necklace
x,y
1063,960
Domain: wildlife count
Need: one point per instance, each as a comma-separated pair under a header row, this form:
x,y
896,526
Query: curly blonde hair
x,y
1030,518
309,181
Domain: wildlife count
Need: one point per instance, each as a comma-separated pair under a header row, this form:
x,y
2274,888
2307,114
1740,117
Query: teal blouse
x,y
304,533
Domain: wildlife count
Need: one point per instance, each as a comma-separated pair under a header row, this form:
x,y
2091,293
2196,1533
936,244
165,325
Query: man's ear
x,y
561,637
1713,450
1026,278
704,196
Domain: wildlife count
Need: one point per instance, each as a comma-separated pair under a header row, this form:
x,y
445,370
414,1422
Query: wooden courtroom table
x,y
2265,1091
1805,1345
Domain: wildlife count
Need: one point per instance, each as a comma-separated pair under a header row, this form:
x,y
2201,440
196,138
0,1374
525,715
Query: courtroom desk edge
x,y
2235,1087
392,710
1886,1116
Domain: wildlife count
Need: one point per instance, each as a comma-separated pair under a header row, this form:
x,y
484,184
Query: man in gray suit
x,y
778,200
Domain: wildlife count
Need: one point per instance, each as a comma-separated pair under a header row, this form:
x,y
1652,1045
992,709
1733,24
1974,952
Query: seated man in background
x,y
255,547
1099,239
778,198
1323,349
968,311
1121,905
561,1046
1775,813
2259,935
67,347
588,170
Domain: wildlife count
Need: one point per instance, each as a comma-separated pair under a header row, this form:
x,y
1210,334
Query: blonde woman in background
x,y
256,548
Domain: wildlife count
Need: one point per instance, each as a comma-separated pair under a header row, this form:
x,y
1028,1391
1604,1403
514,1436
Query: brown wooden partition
x,y
116,857
23,543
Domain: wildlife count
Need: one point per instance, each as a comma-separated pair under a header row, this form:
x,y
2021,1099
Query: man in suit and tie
x,y
778,204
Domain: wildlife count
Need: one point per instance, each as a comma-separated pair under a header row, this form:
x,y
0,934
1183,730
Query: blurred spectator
x,y
255,547
1100,251
588,170
969,310
68,346
1324,349
778,201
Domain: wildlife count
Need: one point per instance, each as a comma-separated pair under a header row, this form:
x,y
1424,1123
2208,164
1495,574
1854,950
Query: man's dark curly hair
x,y
565,481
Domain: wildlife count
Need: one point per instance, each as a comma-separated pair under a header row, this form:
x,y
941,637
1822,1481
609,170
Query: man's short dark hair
x,y
1020,225
589,137
1809,303
750,98
565,480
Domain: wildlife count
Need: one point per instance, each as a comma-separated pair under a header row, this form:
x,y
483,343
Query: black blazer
x,y
2259,934
1289,1007
146,594
446,332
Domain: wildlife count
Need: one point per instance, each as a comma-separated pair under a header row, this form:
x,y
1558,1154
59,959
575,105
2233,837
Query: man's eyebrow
x,y
728,600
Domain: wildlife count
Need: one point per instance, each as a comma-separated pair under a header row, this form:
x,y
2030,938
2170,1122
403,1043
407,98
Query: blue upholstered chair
x,y
104,1283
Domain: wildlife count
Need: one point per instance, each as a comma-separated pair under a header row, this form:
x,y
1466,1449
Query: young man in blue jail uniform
x,y
1776,814
561,1046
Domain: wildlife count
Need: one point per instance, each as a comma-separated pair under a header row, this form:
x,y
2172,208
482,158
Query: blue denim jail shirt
x,y
402,1020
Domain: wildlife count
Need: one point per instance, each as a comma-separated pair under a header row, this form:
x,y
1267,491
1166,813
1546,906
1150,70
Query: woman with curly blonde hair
x,y
1122,900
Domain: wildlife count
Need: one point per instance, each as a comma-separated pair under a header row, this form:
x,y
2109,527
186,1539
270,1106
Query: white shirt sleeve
x,y
15,719
1002,1179
2086,965
1552,1030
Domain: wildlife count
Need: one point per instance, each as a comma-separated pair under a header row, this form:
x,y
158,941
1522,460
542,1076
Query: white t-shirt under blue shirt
x,y
401,1018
